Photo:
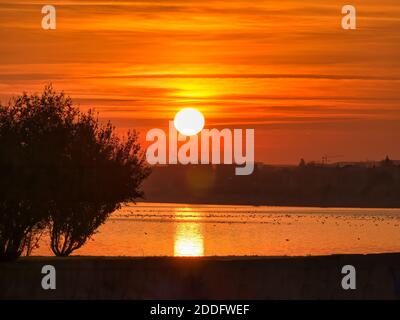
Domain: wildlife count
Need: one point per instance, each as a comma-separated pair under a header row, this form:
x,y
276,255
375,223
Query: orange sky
x,y
285,68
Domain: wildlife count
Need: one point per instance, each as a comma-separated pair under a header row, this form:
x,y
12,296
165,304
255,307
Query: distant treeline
x,y
356,185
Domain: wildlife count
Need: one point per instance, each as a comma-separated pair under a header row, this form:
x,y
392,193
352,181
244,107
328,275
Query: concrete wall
x,y
378,276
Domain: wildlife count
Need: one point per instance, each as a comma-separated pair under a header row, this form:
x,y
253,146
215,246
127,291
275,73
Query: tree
x,y
302,163
60,168
100,172
32,129
387,162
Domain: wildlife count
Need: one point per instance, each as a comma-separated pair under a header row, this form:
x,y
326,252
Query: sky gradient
x,y
285,68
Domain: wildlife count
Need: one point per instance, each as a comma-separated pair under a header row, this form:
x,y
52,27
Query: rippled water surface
x,y
155,229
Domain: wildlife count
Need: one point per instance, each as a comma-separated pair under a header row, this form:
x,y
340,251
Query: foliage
x,y
60,168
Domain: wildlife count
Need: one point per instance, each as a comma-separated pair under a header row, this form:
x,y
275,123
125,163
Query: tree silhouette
x,y
386,162
31,134
63,169
99,173
302,163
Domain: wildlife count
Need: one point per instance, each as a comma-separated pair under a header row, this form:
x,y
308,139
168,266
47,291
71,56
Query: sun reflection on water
x,y
189,241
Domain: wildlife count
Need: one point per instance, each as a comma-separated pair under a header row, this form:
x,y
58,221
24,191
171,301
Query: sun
x,y
189,121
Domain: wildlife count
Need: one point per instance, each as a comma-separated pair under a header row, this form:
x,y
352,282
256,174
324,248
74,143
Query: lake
x,y
157,229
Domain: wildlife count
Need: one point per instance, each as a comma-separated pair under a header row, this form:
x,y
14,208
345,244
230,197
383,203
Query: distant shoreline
x,y
264,204
314,277
307,185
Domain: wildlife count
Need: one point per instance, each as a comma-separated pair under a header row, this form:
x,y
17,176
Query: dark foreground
x,y
377,277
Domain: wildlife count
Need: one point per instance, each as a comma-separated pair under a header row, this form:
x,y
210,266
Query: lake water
x,y
155,229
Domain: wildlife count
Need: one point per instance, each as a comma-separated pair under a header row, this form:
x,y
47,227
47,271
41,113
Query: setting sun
x,y
189,121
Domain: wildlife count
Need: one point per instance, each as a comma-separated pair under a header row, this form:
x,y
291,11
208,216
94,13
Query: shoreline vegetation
x,y
311,277
188,203
353,185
